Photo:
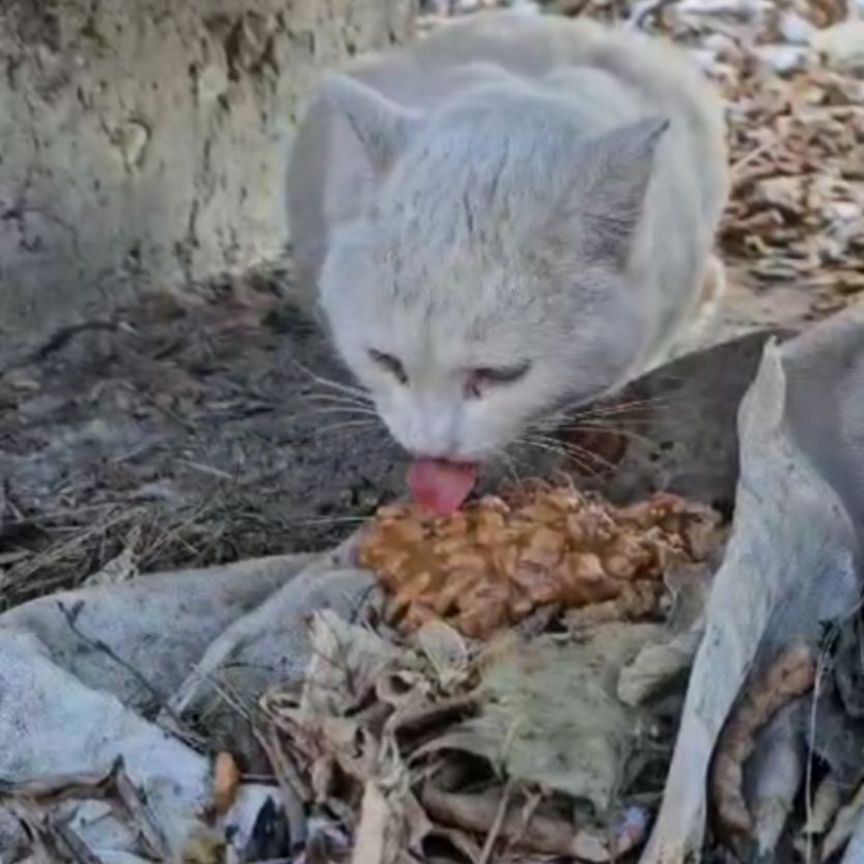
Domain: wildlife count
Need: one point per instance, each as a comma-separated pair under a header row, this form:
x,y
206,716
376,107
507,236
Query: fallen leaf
x,y
824,807
844,825
226,782
549,713
841,46
446,650
791,675
347,662
373,842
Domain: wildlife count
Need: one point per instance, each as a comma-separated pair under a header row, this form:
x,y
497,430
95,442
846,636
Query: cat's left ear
x,y
381,126
605,200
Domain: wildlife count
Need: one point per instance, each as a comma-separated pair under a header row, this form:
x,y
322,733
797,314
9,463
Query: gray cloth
x,y
79,669
793,560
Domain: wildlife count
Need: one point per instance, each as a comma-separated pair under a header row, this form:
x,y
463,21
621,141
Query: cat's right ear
x,y
382,127
605,199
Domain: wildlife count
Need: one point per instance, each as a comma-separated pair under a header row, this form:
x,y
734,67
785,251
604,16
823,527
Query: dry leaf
x,y
826,804
549,714
842,46
790,676
373,842
226,782
204,847
844,825
520,825
347,662
446,650
776,770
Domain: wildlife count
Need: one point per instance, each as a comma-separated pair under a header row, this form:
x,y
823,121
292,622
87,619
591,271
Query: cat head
x,y
485,281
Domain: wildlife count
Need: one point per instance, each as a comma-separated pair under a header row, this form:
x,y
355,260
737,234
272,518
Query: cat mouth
x,y
440,485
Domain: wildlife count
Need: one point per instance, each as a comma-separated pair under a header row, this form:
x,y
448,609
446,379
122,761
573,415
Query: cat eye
x,y
392,364
483,377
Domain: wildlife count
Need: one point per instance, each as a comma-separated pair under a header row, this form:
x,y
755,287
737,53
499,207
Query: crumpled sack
x,y
159,624
81,670
793,561
272,643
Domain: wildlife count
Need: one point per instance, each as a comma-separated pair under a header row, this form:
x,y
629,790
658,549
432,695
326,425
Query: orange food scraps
x,y
494,562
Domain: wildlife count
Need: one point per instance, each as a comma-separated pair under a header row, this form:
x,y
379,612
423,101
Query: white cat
x,y
514,213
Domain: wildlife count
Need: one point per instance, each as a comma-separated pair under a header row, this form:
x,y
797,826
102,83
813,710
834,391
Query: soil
x,y
188,428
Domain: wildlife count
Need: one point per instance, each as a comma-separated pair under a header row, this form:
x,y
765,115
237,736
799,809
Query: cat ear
x,y
606,198
381,126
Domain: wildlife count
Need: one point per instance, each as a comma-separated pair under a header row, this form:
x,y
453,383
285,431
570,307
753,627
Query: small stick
x,y
477,813
139,811
60,787
645,9
71,616
497,825
67,840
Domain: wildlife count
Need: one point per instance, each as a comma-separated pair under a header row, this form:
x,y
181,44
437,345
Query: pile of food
x,y
491,564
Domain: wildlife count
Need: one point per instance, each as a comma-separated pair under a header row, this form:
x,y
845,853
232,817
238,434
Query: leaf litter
x,y
420,752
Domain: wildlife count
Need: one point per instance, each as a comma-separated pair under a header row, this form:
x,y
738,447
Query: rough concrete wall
x,y
142,141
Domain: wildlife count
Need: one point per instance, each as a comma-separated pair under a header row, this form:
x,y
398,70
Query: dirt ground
x,y
186,431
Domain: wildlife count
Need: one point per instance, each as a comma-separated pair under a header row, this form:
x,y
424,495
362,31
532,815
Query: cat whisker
x,y
330,520
614,408
579,456
617,405
611,430
558,424
625,415
341,403
509,463
354,424
347,411
338,386
539,444
329,394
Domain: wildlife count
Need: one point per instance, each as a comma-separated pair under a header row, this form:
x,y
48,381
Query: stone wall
x,y
144,141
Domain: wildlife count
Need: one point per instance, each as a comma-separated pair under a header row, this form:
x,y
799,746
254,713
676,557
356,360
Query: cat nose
x,y
431,450
434,449
430,453
427,435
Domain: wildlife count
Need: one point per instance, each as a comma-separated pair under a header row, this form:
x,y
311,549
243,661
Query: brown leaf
x,y
791,675
226,782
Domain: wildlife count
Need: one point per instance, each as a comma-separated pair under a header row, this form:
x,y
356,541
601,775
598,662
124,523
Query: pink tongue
x,y
441,486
